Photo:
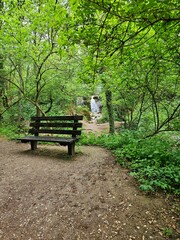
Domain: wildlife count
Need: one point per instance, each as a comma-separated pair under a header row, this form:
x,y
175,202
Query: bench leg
x,y
71,149
33,145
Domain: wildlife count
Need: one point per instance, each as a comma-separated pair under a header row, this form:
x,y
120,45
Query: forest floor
x,y
45,194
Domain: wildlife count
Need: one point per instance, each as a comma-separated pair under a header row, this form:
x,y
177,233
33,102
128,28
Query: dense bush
x,y
153,161
8,130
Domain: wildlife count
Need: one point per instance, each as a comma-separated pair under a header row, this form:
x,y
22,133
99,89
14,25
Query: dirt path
x,y
47,195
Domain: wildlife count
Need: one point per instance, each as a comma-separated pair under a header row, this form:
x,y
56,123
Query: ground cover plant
x,y
154,161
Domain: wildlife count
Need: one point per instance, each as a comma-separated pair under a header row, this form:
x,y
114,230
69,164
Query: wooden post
x,y
33,145
71,149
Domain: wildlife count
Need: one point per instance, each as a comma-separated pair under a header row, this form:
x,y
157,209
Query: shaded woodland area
x,y
55,55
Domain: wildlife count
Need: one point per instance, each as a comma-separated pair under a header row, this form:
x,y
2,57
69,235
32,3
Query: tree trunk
x,y
1,87
1,69
110,111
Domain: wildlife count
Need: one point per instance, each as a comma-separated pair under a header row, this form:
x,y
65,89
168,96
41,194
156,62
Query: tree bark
x,y
1,69
110,111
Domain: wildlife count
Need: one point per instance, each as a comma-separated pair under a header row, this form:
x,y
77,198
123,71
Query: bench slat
x,y
47,139
53,118
51,131
55,124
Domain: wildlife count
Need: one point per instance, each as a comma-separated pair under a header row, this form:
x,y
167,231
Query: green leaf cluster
x,y
154,162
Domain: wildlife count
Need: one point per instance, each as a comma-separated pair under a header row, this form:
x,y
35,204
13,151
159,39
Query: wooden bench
x,y
57,129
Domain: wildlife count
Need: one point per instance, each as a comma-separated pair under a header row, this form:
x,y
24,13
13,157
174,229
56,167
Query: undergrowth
x,y
7,130
154,161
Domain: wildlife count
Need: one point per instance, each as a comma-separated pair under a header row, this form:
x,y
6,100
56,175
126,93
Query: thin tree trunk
x,y
1,68
110,111
1,87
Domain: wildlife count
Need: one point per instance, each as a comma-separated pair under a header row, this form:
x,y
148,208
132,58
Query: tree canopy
x,y
52,52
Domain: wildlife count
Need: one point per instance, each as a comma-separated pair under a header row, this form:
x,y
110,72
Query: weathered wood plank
x,y
57,131
53,118
47,139
56,124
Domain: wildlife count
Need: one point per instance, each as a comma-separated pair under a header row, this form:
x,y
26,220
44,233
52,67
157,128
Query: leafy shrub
x,y
8,130
83,110
153,161
91,139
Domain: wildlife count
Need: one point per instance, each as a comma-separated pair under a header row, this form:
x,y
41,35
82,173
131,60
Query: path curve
x,y
48,195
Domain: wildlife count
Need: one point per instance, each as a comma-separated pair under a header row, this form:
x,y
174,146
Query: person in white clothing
x,y
94,107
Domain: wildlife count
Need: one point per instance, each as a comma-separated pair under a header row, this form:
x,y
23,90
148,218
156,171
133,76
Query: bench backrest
x,y
66,125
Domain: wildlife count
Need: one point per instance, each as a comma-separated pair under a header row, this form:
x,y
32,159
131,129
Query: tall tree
x,y
1,68
33,34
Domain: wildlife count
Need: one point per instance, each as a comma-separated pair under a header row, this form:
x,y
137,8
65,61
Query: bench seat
x,y
47,139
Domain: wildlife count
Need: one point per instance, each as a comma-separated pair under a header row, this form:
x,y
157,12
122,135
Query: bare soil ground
x,y
45,194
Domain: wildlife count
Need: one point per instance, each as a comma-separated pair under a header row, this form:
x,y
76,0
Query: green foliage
x,y
59,50
91,139
168,232
8,130
112,142
83,110
153,161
